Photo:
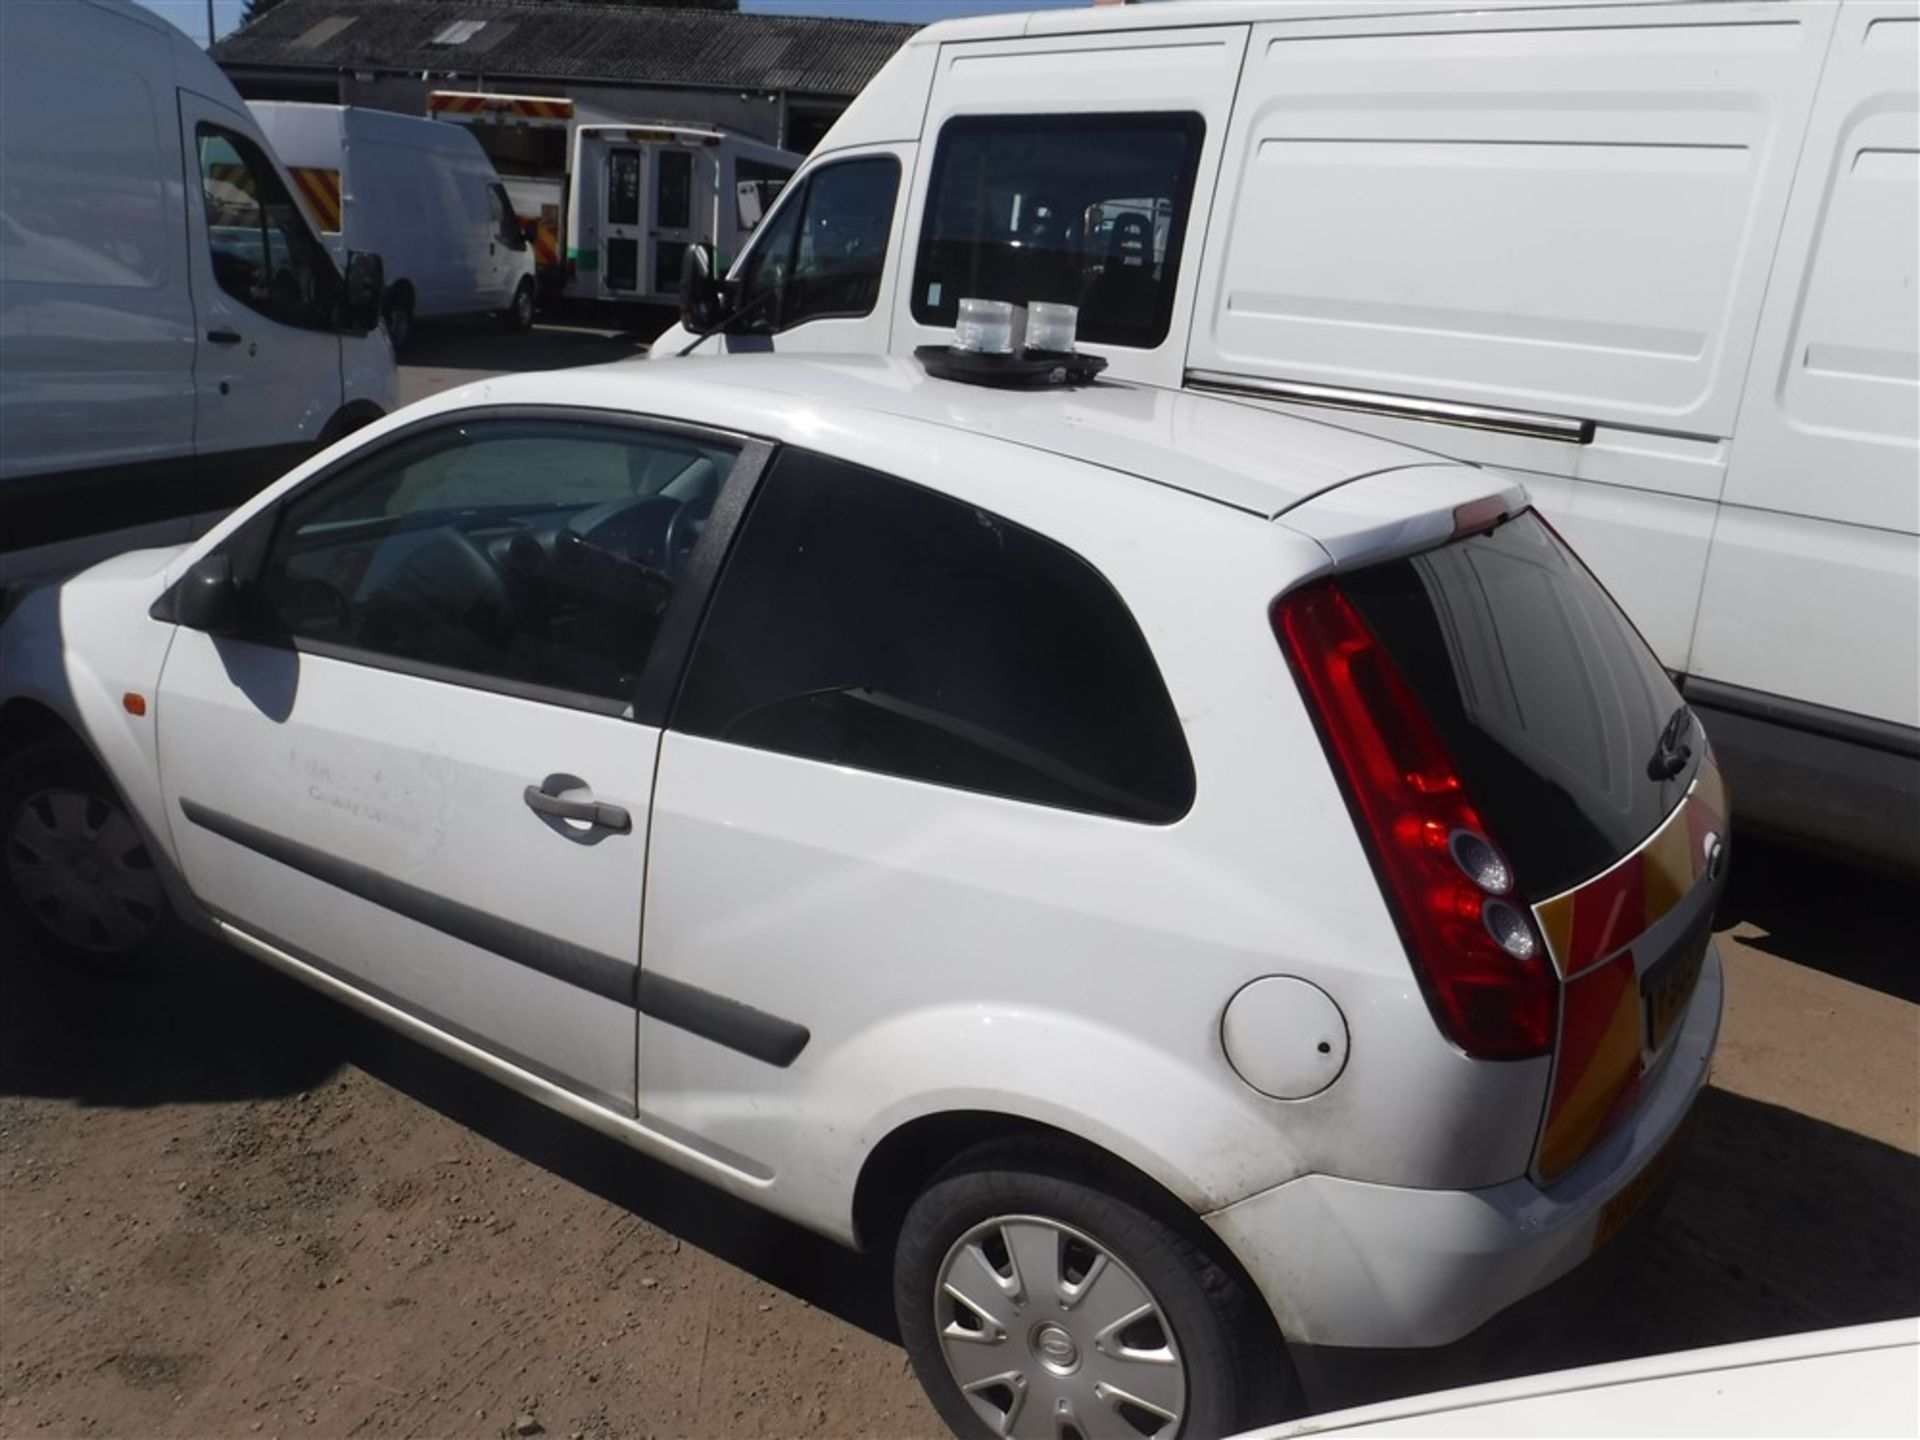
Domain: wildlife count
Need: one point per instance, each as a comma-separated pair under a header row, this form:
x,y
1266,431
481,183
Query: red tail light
x,y
1474,948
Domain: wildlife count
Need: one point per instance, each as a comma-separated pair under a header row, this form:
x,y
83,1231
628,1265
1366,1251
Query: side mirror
x,y
702,297
205,598
366,285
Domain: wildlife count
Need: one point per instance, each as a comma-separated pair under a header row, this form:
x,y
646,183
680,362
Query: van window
x,y
673,182
506,224
823,253
867,622
263,254
1087,210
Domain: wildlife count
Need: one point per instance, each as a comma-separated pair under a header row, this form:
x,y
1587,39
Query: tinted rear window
x,y
1551,704
867,622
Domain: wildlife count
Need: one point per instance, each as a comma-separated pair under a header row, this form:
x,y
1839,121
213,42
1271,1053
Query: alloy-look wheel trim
x,y
1050,1335
82,871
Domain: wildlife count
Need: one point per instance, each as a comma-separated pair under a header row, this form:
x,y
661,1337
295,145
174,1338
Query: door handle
x,y
224,337
543,801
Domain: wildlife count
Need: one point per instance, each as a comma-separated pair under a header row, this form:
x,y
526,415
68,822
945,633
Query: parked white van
x,y
641,194
172,334
1657,260
422,196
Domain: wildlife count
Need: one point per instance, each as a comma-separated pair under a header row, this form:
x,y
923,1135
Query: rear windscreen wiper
x,y
1671,755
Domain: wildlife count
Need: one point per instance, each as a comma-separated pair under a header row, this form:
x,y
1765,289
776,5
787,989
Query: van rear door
x,y
267,358
1073,168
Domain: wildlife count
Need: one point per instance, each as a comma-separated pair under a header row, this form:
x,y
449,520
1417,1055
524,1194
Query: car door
x,y
424,764
266,367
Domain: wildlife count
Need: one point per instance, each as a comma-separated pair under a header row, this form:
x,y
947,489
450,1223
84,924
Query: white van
x,y
172,334
641,194
1657,260
422,196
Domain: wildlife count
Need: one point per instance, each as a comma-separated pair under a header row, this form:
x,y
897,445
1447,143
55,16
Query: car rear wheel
x,y
1039,1296
75,872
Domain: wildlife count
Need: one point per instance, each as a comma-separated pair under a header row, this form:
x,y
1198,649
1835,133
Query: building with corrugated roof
x,y
780,78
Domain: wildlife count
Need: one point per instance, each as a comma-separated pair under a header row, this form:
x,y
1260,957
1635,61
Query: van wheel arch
x,y
397,311
347,419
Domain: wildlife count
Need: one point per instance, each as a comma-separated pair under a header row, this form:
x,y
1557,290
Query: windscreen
x,y
1567,734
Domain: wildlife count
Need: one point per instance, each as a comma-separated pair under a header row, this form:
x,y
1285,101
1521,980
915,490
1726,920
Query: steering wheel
x,y
449,580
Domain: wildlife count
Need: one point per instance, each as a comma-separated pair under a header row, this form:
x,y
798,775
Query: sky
x,y
191,15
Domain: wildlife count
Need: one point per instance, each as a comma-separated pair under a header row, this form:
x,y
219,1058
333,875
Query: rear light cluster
x,y
1474,949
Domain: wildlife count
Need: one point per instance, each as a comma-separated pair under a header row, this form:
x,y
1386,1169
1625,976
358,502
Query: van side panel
x,y
1570,212
1566,213
1809,632
96,322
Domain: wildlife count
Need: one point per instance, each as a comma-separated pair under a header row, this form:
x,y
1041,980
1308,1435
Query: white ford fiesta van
x,y
420,194
1659,261
1212,896
172,333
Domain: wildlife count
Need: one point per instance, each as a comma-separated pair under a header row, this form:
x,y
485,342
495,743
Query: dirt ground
x,y
229,1208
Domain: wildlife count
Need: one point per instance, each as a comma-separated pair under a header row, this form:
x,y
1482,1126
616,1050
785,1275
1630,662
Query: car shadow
x,y
1850,922
206,1025
215,1026
1776,1223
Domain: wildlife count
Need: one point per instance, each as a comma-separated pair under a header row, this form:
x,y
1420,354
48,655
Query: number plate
x,y
1631,1196
1668,986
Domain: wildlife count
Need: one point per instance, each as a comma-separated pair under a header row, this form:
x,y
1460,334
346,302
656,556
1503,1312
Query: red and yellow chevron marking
x,y
546,239
517,107
1599,1062
320,191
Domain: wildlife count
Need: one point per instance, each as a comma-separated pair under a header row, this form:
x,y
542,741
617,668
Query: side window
x,y
264,255
506,225
534,552
673,184
1087,210
823,253
864,621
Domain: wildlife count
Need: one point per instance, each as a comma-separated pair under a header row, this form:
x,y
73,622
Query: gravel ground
x,y
229,1208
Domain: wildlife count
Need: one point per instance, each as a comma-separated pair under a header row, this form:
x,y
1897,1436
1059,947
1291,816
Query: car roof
x,y
1245,456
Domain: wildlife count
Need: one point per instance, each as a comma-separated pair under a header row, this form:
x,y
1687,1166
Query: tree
x,y
254,9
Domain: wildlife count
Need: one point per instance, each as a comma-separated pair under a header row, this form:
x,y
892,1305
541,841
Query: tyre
x,y
75,873
399,317
518,317
1040,1294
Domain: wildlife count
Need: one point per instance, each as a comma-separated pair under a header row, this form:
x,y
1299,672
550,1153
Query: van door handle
x,y
542,800
224,337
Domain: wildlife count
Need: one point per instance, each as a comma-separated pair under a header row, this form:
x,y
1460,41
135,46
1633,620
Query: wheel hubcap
x,y
79,866
1049,1335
